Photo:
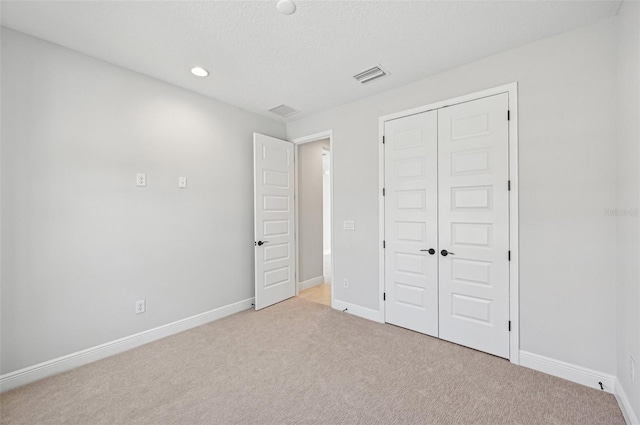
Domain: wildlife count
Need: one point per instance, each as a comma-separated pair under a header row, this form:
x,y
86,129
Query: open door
x,y
274,215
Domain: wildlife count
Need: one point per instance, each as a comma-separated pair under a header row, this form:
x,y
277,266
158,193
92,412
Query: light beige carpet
x,y
302,363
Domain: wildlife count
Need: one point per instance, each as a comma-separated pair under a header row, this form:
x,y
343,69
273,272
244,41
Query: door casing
x,y
514,283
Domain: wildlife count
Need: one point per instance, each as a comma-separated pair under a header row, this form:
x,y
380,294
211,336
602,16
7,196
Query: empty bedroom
x,y
322,212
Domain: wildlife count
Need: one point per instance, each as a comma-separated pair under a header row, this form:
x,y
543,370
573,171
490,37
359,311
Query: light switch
x,y
349,225
141,179
182,182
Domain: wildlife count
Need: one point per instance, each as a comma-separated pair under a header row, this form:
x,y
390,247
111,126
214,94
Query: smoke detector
x,y
286,7
283,111
370,75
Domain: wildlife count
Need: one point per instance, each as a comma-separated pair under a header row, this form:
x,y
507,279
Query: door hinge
x,y
508,115
383,140
384,192
508,184
509,255
509,325
384,244
384,296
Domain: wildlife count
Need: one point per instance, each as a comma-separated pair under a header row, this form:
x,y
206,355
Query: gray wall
x,y
628,192
567,180
310,223
80,242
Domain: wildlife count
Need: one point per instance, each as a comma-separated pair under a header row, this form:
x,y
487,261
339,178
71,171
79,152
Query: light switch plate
x,y
182,182
141,306
349,225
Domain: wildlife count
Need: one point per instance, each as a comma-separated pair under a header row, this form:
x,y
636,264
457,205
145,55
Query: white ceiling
x,y
259,58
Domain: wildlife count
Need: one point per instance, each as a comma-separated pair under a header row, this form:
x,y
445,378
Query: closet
x,y
446,223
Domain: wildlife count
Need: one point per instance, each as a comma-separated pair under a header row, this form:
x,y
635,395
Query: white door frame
x,y
514,267
328,134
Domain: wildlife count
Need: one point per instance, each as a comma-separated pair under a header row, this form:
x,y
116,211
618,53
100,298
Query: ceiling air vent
x,y
370,75
284,111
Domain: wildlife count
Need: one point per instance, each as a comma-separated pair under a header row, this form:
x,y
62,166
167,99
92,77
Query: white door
x,y
411,222
473,174
273,177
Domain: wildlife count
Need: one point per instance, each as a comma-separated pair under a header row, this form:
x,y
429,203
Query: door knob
x,y
444,253
430,251
260,243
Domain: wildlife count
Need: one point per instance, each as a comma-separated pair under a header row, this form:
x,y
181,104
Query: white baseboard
x,y
306,284
625,405
568,371
356,310
61,364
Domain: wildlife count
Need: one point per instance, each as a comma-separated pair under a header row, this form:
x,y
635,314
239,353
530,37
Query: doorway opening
x,y
313,218
289,217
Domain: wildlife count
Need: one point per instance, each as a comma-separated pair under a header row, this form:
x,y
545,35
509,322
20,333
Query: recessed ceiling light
x,y
199,72
286,7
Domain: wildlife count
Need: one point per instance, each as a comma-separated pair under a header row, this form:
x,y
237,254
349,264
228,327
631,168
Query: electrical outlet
x,y
141,306
632,368
346,283
349,225
141,179
182,182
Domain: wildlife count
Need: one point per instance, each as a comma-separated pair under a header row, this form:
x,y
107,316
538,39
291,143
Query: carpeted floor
x,y
303,363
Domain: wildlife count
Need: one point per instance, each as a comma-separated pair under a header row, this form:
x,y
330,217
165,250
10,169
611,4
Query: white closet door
x,y
473,161
273,176
411,273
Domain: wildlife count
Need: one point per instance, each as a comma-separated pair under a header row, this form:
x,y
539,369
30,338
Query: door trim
x,y
328,134
514,266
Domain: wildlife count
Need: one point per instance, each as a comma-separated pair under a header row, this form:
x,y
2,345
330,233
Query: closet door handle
x,y
444,253
260,243
430,251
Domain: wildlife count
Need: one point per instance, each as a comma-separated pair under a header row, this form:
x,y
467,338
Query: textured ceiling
x,y
259,58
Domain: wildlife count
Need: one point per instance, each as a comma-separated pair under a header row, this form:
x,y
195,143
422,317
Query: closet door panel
x,y
411,272
473,203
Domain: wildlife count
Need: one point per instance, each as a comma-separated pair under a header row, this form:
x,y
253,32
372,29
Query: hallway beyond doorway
x,y
319,294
